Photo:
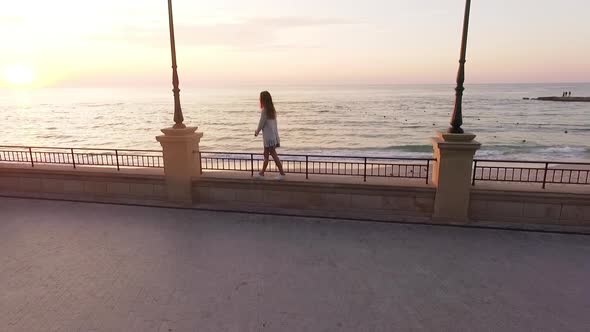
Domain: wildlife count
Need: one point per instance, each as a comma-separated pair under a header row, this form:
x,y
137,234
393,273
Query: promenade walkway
x,y
91,267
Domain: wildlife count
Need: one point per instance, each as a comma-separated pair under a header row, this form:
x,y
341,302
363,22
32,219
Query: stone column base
x,y
452,176
181,162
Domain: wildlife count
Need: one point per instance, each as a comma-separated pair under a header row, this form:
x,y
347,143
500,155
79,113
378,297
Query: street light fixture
x,y
457,118
178,117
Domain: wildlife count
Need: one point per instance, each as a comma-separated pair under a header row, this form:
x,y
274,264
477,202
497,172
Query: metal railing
x,y
513,171
365,167
542,172
82,157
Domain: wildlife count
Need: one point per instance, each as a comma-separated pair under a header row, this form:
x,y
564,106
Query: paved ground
x,y
89,267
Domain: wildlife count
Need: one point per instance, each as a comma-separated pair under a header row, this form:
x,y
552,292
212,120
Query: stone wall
x,y
374,202
95,186
530,207
344,200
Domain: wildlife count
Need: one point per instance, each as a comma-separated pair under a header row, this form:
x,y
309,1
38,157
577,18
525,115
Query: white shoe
x,y
280,177
258,177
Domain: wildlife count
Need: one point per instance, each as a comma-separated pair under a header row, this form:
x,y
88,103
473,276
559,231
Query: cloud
x,y
237,33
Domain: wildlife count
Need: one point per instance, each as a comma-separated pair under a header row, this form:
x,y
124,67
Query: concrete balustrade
x,y
450,199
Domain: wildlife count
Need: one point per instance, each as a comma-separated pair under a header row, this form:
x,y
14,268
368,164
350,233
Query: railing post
x,y
31,156
252,163
307,167
545,175
73,158
200,162
365,172
427,170
117,156
474,170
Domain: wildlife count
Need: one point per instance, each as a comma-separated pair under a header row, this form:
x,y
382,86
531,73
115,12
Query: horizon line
x,y
294,85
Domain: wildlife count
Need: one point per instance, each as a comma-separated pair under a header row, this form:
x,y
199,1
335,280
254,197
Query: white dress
x,y
270,131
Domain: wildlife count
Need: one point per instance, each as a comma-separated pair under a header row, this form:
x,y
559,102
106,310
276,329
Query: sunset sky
x,y
233,42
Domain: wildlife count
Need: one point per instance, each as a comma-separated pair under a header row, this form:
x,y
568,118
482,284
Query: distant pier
x,y
564,99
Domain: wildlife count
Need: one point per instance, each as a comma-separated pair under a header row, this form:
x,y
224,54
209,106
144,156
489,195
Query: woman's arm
x,y
261,122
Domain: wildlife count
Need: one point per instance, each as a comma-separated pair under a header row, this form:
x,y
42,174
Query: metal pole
x,y
457,118
31,155
545,175
73,157
475,172
178,117
427,170
200,161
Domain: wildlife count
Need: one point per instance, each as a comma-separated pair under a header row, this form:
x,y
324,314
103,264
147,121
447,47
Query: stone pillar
x,y
181,162
452,176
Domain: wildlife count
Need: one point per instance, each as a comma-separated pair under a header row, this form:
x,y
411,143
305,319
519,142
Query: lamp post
x,y
457,118
178,117
180,144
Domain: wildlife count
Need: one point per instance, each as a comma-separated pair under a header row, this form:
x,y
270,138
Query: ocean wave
x,y
410,148
101,105
549,153
537,152
388,149
549,149
54,136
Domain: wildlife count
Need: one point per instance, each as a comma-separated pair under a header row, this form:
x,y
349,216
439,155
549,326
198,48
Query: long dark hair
x,y
266,102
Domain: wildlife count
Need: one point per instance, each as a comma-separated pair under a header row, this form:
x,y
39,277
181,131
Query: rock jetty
x,y
567,99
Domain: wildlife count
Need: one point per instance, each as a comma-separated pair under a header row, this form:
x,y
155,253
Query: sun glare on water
x,y
19,75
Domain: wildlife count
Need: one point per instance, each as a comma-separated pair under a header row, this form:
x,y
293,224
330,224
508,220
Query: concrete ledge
x,y
112,187
363,201
530,207
375,202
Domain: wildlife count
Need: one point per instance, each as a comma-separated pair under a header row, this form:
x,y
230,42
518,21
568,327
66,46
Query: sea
x,y
362,120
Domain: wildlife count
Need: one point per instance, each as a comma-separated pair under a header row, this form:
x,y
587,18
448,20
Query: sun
x,y
19,75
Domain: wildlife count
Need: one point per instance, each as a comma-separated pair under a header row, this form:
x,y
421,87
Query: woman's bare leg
x,y
278,162
265,165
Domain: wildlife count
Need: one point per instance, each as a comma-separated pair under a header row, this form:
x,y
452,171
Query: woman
x,y
270,133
